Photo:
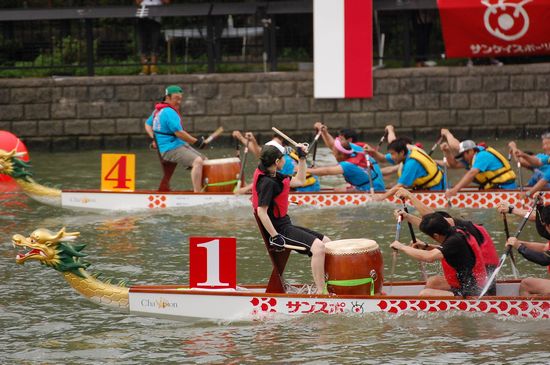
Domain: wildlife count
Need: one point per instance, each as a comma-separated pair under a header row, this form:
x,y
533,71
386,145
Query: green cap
x,y
173,89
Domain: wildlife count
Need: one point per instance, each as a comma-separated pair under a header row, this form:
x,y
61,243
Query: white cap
x,y
276,144
465,146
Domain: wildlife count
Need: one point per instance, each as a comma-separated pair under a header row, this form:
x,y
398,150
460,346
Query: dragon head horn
x,y
62,235
12,153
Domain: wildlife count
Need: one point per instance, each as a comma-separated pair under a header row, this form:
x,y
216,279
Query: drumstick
x,y
287,138
214,134
292,247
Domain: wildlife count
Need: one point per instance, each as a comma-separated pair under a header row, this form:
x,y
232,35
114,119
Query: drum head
x,y
222,161
350,246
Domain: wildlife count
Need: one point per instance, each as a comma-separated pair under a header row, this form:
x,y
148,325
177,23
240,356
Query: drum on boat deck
x,y
220,175
353,267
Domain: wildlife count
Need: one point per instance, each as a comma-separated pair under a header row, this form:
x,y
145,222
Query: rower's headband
x,y
339,147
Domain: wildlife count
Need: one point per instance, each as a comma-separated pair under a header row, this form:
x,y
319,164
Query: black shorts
x,y
299,236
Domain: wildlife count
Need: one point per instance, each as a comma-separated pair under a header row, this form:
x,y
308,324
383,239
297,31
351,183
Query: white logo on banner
x,y
501,17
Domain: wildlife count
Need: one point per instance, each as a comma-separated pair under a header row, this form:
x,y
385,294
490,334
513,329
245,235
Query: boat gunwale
x,y
186,290
322,192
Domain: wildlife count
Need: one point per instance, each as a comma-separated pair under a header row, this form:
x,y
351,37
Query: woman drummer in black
x,y
270,192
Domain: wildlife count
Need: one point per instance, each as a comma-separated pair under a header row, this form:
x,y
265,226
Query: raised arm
x,y
451,140
390,131
327,138
300,178
448,153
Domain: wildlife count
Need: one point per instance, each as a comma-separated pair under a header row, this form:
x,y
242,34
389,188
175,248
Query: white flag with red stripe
x,y
342,48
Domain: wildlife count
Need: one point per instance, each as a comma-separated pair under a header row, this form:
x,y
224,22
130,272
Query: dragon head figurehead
x,y
12,165
52,249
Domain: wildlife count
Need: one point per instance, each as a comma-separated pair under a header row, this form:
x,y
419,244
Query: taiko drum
x,y
220,175
351,261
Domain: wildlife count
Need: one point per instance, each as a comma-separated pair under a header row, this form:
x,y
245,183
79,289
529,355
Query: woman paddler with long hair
x,y
270,191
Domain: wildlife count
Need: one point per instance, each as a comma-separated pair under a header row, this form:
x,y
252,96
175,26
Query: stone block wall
x,y
109,112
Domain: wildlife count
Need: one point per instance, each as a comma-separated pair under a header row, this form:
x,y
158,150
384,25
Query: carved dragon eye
x,y
33,240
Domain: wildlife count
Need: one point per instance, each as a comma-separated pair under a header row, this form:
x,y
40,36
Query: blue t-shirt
x,y
486,161
359,178
546,175
166,121
539,172
545,160
412,170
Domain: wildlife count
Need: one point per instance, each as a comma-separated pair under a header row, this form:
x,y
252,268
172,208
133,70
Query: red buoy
x,y
8,142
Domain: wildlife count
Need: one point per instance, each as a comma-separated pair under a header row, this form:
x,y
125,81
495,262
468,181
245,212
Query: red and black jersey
x,y
271,191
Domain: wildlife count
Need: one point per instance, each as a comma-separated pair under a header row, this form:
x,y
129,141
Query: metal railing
x,y
196,37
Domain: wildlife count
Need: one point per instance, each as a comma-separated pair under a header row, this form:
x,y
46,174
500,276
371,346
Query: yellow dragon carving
x,y
12,165
56,251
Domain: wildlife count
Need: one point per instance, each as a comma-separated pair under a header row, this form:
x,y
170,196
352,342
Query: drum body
x,y
349,264
220,175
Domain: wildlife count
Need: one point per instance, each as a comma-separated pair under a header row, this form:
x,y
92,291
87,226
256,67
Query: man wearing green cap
x,y
174,143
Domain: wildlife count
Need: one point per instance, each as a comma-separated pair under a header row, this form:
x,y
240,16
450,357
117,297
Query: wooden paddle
x,y
437,143
509,248
285,137
394,253
520,178
243,163
214,134
512,257
421,264
382,140
313,146
369,174
446,177
293,247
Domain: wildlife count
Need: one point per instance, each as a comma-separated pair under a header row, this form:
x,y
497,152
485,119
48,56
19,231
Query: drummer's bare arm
x,y
326,170
266,222
183,135
149,131
151,135
421,255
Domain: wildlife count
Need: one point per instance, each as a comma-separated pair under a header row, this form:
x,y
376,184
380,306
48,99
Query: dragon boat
x,y
12,165
253,302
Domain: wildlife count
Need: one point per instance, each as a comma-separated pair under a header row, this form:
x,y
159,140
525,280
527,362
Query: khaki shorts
x,y
184,155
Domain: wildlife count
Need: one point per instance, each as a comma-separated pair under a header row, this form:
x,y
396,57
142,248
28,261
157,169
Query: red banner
x,y
495,28
212,262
